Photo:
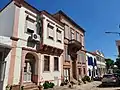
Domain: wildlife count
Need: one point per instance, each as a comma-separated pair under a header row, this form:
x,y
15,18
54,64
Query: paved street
x,y
89,86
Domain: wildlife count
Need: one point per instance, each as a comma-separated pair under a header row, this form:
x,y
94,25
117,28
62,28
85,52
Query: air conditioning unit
x,y
35,37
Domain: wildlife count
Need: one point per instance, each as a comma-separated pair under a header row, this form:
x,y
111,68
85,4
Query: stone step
x,y
30,86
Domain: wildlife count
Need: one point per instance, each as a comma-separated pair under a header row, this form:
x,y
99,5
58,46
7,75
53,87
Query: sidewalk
x,y
87,86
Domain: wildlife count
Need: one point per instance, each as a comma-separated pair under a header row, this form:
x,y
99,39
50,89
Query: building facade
x,y
91,64
101,66
31,45
74,63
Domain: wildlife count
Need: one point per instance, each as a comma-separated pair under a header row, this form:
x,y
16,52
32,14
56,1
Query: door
x,y
27,71
66,74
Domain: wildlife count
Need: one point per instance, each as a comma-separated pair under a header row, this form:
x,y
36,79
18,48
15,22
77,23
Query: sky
x,y
95,16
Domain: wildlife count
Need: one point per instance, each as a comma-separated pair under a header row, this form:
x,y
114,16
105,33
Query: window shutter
x,y
67,32
59,35
72,34
31,25
2,70
50,30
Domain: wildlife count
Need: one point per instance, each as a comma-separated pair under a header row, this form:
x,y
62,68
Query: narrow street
x,y
89,86
95,86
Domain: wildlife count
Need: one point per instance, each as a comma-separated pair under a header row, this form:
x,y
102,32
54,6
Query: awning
x,y
5,46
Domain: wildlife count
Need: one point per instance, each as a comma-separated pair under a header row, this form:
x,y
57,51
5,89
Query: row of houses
x,y
36,46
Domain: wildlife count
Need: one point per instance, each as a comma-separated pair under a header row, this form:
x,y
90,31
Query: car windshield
x,y
107,76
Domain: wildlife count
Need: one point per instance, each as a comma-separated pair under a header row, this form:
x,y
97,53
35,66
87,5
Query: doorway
x,y
29,67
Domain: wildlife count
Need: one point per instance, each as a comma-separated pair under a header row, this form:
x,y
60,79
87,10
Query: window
x,y
79,71
77,36
50,31
84,71
82,57
2,70
30,26
66,32
46,63
67,57
72,34
2,66
59,36
56,64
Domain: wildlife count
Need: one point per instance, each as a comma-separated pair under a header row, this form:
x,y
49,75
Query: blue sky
x,y
95,16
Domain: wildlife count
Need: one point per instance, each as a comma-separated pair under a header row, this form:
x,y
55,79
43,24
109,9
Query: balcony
x,y
75,44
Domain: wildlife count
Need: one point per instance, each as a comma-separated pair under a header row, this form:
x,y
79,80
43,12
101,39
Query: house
x,y
74,63
101,66
91,64
31,46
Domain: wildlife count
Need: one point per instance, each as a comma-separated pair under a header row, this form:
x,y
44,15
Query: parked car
x,y
111,79
97,78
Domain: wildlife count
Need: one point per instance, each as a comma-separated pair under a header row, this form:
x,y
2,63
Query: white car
x,y
111,79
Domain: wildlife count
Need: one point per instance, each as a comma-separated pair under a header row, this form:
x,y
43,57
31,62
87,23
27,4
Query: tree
x,y
118,62
109,63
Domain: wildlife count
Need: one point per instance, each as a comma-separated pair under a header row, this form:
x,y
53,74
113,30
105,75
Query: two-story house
x,y
74,63
91,64
31,45
101,66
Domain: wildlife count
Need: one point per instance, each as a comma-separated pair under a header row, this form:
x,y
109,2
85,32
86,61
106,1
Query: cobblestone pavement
x,y
89,86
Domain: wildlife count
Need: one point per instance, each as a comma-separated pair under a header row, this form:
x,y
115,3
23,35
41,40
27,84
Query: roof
x,y
66,16
89,52
50,16
20,3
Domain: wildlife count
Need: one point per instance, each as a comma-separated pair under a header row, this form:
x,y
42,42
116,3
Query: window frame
x,y
48,67
52,28
56,69
58,31
28,19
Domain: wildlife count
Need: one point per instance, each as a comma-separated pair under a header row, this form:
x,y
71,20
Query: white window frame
x,y
30,20
58,64
59,35
50,28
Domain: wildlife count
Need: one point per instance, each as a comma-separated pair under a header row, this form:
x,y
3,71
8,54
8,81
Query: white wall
x,y
48,41
7,20
49,75
7,59
90,66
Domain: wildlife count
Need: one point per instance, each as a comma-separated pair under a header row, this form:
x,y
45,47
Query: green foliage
x,y
109,63
48,84
51,85
118,62
86,78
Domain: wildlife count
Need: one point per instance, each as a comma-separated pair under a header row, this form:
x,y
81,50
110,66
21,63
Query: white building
x,y
91,64
31,45
101,66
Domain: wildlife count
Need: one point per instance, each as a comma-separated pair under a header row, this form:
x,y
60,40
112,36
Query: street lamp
x,y
113,33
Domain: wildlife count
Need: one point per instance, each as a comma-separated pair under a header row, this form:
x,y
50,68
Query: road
x,y
95,86
89,86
